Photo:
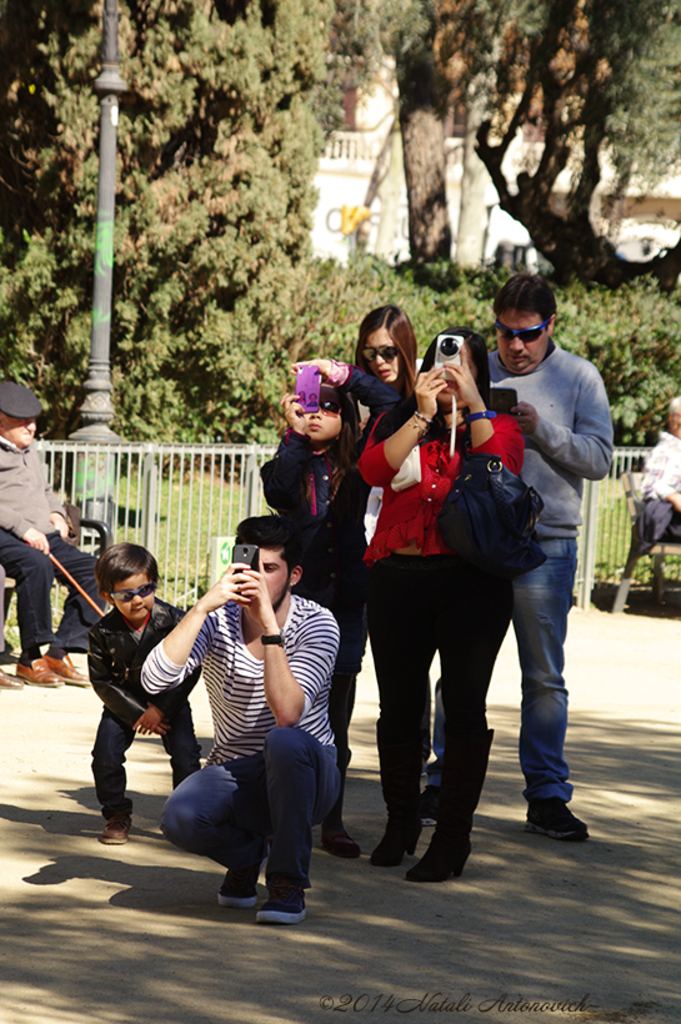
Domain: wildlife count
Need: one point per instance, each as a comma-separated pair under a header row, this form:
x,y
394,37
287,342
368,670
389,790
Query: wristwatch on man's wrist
x,y
275,638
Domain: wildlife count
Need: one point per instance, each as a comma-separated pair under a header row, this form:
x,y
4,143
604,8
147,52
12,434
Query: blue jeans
x,y
542,600
225,811
434,768
108,757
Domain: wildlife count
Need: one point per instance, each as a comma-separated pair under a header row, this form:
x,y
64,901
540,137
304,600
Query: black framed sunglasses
x,y
525,333
387,352
127,595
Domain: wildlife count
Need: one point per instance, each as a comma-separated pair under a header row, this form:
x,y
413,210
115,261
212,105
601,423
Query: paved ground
x,y
133,934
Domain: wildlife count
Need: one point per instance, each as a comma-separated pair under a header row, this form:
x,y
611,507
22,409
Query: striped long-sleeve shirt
x,y
235,679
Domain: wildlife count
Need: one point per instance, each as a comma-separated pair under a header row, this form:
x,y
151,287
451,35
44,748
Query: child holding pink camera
x,y
313,479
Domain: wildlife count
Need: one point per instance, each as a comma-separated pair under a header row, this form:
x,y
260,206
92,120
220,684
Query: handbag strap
x,y
505,512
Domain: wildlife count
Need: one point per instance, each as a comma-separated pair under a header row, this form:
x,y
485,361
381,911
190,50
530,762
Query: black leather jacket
x,y
115,659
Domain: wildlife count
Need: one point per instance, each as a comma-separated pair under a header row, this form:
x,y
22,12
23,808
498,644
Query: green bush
x,y
633,335
217,147
215,292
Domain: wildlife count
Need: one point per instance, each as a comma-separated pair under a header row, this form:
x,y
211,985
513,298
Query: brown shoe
x,y
116,829
39,673
9,682
65,668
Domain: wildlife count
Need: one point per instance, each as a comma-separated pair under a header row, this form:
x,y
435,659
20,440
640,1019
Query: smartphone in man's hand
x,y
248,554
503,399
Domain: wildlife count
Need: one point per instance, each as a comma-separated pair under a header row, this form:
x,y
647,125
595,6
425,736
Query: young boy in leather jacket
x,y
127,576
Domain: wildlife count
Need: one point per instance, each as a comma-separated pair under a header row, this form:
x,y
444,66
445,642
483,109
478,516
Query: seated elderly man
x,y
32,526
660,518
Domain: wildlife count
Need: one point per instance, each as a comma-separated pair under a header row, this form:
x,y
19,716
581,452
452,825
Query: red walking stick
x,y
78,587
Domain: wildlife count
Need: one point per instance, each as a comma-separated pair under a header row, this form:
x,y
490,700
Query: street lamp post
x,y
97,411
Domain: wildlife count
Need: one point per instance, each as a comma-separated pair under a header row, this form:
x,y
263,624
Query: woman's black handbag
x,y
489,518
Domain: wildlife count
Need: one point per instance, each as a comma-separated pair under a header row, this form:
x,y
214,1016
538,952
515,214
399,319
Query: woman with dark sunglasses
x,y
313,479
387,348
423,598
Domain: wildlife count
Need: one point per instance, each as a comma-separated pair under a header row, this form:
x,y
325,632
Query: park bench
x,y
631,482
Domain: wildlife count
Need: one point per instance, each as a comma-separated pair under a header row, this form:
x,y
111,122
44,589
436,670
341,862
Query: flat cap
x,y
18,402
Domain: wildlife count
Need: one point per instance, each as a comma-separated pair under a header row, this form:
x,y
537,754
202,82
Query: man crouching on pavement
x,y
267,659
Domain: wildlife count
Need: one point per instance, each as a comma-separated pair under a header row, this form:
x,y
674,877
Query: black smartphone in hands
x,y
503,399
248,554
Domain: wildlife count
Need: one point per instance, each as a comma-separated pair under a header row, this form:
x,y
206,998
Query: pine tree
x,y
217,147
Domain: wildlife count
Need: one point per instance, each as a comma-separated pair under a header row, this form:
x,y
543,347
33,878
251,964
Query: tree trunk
x,y
430,236
569,241
470,238
383,159
389,192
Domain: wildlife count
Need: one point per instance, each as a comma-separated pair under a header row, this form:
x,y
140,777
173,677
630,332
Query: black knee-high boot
x,y
400,780
463,774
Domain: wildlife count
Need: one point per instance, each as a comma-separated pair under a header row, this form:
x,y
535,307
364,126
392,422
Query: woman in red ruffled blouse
x,y
423,598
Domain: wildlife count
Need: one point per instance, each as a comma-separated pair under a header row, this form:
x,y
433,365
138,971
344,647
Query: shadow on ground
x,y
641,602
133,933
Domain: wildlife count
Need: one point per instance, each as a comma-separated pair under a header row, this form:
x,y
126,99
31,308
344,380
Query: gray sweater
x,y
573,439
26,499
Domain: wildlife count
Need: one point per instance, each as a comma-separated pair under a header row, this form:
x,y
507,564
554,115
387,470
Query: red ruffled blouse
x,y
410,516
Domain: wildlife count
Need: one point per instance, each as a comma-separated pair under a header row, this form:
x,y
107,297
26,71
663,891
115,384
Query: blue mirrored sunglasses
x,y
525,333
127,595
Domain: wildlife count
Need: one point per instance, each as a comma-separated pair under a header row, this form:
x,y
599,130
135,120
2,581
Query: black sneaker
x,y
430,805
552,818
286,904
238,888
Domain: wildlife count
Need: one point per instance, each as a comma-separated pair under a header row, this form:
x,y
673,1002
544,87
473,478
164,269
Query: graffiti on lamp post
x,y
97,410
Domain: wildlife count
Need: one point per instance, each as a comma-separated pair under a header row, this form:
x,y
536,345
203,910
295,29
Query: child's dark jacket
x,y
116,657
334,573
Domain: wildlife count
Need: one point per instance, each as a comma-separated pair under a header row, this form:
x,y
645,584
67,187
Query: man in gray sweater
x,y
564,415
33,525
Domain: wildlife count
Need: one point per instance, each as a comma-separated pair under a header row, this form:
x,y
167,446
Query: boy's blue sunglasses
x,y
127,595
525,333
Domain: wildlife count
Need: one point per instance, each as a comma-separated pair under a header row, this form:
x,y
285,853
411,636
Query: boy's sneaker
x,y
286,904
430,805
552,818
116,829
238,888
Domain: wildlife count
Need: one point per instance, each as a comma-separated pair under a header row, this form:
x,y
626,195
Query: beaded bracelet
x,y
420,416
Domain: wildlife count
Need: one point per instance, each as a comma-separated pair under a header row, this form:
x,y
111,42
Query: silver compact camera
x,y
448,350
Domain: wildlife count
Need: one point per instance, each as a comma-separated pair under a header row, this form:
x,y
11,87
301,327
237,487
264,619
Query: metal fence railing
x,y
175,499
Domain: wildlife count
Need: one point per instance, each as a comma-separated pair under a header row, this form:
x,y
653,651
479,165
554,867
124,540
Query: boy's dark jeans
x,y
108,757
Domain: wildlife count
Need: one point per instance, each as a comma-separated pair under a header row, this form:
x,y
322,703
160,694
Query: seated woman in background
x,y
423,598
